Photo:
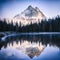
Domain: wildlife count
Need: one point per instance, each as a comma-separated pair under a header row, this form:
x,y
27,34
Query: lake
x,y
31,47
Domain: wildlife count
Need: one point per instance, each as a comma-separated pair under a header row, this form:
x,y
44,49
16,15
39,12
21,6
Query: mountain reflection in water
x,y
31,47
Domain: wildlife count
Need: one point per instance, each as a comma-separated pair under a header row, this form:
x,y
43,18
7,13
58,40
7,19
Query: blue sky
x,y
10,8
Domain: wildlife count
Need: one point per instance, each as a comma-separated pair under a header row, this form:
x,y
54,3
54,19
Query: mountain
x,y
29,15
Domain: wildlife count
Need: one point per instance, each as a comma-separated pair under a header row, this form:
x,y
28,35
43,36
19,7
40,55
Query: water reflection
x,y
44,39
33,46
31,49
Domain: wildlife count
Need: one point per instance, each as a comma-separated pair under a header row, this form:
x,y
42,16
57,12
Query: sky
x,y
10,8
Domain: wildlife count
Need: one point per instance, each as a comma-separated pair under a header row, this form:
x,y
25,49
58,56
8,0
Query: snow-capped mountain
x,y
29,15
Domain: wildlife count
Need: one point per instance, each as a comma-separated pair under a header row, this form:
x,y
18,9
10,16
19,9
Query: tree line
x,y
47,25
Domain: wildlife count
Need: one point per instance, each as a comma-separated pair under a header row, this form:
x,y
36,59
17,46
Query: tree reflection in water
x,y
32,45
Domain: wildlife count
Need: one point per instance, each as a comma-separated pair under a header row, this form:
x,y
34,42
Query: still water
x,y
31,47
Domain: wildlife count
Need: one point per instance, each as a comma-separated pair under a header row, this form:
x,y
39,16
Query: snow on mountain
x,y
29,15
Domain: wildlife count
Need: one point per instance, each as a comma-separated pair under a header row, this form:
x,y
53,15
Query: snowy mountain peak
x,y
29,12
29,15
29,7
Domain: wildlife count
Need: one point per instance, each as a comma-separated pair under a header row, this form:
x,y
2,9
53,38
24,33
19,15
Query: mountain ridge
x,y
29,15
